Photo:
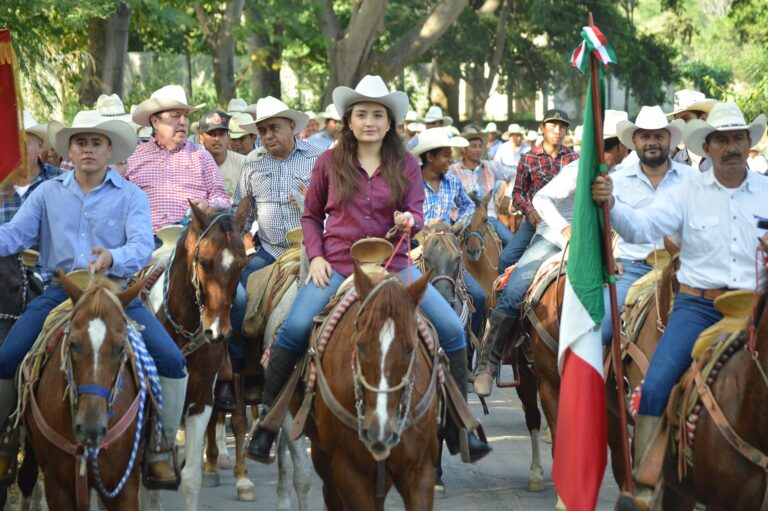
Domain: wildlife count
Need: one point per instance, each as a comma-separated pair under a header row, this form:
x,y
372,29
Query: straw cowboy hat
x,y
491,127
330,112
512,129
412,116
611,122
415,127
236,105
32,127
112,107
269,107
435,114
372,88
650,118
471,132
690,100
120,134
437,137
311,115
170,97
235,124
723,117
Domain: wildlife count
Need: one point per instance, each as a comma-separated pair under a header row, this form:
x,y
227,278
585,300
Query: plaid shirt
x,y
269,183
536,169
438,204
11,201
171,178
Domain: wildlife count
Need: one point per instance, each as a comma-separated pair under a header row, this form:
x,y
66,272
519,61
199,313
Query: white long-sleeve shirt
x,y
717,227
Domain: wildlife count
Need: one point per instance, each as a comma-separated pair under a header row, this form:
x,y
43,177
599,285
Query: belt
x,y
709,294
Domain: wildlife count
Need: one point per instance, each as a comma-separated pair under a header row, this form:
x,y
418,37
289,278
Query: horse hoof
x,y
547,438
440,486
535,485
224,463
246,494
211,479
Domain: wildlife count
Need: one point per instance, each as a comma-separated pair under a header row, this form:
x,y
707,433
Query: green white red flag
x,y
581,440
12,145
593,41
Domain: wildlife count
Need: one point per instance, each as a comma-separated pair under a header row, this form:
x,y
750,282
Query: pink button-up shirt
x,y
170,178
331,227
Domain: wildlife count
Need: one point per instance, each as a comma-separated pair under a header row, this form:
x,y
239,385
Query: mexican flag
x,y
580,448
13,148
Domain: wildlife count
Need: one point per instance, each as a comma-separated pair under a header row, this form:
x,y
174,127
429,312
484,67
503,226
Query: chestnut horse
x,y
481,250
382,424
87,402
199,289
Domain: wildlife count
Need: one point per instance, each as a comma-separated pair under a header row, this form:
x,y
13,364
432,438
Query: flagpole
x,y
608,254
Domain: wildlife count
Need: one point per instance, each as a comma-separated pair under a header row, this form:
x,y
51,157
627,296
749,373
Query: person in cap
x,y
757,162
111,233
689,105
169,167
214,136
241,141
362,187
494,142
447,200
328,135
480,177
536,169
508,155
718,216
312,127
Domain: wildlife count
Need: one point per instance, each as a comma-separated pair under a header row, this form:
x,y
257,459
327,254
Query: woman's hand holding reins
x,y
403,220
319,272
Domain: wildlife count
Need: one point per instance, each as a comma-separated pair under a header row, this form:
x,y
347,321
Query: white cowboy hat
x,y
511,130
471,132
330,112
491,127
723,117
372,88
435,114
412,116
33,127
251,109
236,105
531,136
611,122
578,132
437,137
236,122
689,99
415,127
270,107
311,115
110,106
170,97
144,133
120,134
650,118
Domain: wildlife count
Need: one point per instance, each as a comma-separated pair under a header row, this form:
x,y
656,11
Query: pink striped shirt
x,y
170,178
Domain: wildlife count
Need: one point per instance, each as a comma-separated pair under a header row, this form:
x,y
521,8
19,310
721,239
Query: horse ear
x,y
363,283
73,290
487,198
126,296
458,227
198,216
418,288
241,214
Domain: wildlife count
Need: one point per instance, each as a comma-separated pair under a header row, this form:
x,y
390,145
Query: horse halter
x,y
24,293
455,283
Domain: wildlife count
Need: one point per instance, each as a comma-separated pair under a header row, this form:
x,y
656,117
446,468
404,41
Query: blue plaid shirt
x,y
438,204
10,200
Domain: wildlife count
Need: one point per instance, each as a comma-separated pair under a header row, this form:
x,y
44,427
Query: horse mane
x,y
391,301
92,301
445,241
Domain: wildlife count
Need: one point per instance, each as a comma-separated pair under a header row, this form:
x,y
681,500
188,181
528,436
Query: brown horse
x,y
86,401
481,250
382,435
200,287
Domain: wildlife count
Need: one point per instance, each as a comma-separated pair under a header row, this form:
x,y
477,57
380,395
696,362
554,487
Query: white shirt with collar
x,y
717,227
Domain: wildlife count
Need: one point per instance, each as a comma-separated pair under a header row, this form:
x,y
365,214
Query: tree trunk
x,y
444,90
221,40
265,57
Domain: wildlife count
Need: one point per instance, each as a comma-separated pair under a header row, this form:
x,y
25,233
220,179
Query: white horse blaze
x,y
386,337
226,259
97,331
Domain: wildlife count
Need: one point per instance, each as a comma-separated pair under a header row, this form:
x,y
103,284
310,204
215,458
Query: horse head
x,y
215,256
474,237
385,348
442,256
93,353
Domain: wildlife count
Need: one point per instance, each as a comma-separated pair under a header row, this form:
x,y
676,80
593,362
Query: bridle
x,y
456,283
24,293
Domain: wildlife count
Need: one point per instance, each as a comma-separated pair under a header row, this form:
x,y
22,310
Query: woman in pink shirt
x,y
360,188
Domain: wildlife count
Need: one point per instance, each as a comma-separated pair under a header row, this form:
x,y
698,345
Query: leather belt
x,y
709,294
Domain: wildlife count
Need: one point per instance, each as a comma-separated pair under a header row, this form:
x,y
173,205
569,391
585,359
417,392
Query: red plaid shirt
x,y
536,169
170,178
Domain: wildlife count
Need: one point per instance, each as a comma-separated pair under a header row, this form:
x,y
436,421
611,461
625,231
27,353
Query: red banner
x,y
13,153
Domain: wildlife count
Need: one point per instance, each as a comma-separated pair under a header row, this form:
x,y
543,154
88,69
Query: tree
x,y
218,22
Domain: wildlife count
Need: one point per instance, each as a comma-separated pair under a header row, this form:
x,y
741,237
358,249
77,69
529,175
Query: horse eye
x,y
206,264
118,351
75,347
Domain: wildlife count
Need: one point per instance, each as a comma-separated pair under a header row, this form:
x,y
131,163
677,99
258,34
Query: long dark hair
x,y
345,175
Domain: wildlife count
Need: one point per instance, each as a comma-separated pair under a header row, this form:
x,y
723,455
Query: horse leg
x,y
527,393
301,473
417,488
28,472
149,500
246,491
59,496
283,500
127,499
224,462
211,477
192,474
354,487
439,484
331,496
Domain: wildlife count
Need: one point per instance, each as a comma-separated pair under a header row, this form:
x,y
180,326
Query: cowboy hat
x,y
235,124
372,88
311,115
236,105
611,121
412,116
415,127
512,129
433,138
531,136
491,128
120,134
270,107
32,127
650,118
435,114
690,100
470,133
112,108
330,112
170,97
723,117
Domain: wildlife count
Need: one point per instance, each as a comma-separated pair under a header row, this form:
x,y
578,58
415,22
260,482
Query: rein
x,y
24,293
480,234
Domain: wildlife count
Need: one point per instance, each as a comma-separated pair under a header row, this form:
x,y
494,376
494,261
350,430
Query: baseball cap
x,y
556,115
214,120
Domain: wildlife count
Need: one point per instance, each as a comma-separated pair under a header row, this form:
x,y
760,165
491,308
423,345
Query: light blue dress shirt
x,y
114,215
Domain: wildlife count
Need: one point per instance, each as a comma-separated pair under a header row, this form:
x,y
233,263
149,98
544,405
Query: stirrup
x,y
156,484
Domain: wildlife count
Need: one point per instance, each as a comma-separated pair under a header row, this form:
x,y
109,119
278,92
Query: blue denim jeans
x,y
236,343
168,359
515,248
505,235
311,300
690,316
514,293
260,259
477,293
632,272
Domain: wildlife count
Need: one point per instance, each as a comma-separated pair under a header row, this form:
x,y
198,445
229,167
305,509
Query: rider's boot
x,y
646,427
489,354
281,364
9,446
476,448
162,472
224,390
